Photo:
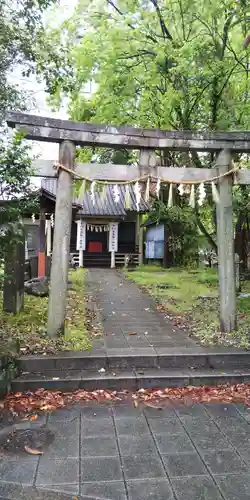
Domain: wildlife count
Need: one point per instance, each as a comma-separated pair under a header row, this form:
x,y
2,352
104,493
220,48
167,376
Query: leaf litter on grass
x,y
30,326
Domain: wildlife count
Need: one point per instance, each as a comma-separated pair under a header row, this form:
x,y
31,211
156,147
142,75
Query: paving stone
x,y
98,446
127,412
95,412
227,424
73,489
19,492
244,410
111,490
245,454
100,469
64,447
137,445
221,409
81,362
154,489
180,361
114,342
63,414
222,462
196,488
97,427
195,424
20,472
174,443
154,377
132,426
184,464
63,428
137,467
234,486
124,380
196,410
57,471
128,361
167,425
213,440
130,351
238,436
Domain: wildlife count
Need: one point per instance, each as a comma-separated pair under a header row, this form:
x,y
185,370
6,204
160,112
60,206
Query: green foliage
x,y
158,64
21,33
181,228
16,195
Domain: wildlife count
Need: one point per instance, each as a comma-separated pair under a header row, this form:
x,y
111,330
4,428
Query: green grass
x,y
30,325
193,294
184,286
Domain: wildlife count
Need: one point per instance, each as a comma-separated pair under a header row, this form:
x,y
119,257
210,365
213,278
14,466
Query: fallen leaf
x,y
33,451
135,403
30,417
159,308
132,333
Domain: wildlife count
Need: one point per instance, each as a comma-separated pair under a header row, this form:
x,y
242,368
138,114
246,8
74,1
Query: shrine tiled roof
x,y
103,206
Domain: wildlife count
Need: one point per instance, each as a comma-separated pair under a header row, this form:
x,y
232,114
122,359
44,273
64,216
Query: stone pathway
x,y
125,310
127,453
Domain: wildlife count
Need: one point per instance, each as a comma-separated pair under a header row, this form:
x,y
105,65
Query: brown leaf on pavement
x,y
160,308
31,417
33,452
132,333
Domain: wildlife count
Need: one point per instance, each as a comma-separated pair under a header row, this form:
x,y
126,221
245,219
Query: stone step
x,y
130,380
129,358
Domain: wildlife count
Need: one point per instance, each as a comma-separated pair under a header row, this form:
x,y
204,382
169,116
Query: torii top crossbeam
x,y
53,130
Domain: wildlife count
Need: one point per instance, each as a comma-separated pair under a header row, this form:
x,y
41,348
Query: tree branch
x,y
205,232
164,30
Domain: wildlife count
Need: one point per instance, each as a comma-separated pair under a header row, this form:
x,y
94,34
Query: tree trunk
x,y
206,233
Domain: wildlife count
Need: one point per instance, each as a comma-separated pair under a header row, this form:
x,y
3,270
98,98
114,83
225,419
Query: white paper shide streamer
x,y
181,189
116,193
158,188
147,192
92,192
215,193
170,196
202,194
137,191
192,197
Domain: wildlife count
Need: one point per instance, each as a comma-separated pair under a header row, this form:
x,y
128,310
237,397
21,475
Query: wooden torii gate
x,y
69,134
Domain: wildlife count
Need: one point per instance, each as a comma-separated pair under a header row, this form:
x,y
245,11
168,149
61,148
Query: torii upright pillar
x,y
225,242
61,243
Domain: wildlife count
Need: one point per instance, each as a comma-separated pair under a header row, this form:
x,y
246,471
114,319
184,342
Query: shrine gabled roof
x,y
101,207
